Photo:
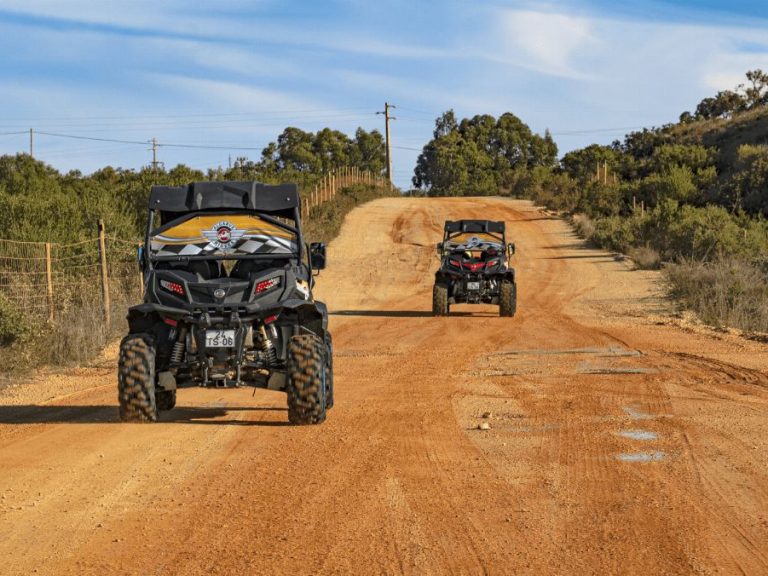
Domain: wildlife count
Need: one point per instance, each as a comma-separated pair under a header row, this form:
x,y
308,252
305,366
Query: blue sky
x,y
234,73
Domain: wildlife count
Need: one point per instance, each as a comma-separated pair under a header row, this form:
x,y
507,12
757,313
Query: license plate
x,y
219,338
473,285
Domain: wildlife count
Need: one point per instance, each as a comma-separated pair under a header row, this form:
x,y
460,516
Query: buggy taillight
x,y
172,287
265,285
455,263
476,266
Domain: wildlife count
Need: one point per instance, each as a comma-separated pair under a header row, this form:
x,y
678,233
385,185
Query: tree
x,y
480,155
723,105
369,151
582,165
757,92
694,156
445,124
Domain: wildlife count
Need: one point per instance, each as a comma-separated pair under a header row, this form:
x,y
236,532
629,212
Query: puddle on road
x,y
636,414
639,434
641,456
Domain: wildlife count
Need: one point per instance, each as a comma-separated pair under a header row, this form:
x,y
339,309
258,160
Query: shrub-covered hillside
x,y
31,191
693,194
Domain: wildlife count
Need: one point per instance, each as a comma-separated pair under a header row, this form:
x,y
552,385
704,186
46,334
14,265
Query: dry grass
x,y
584,226
645,258
79,331
77,336
725,292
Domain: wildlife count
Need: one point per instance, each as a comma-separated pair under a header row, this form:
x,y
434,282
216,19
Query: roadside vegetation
x,y
689,197
40,204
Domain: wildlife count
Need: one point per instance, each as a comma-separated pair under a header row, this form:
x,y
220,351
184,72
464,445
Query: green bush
x,y
614,233
14,328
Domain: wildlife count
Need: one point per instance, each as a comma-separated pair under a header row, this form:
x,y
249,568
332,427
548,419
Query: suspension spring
x,y
267,348
177,353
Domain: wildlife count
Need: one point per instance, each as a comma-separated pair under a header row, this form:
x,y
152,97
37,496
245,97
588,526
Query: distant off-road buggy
x,y
474,267
228,301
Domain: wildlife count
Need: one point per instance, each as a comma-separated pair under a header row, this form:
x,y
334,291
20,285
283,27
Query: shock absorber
x,y
177,353
267,347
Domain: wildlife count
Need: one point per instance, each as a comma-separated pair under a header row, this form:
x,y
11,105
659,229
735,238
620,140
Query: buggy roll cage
x,y
271,202
457,228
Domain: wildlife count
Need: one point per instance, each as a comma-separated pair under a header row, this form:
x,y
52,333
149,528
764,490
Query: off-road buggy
x,y
474,267
228,301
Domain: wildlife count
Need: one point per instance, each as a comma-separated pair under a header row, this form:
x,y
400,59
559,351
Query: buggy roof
x,y
474,226
277,199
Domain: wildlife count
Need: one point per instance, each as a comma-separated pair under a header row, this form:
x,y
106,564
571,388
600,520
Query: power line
x,y
596,130
189,124
94,138
200,115
145,142
420,111
407,148
211,147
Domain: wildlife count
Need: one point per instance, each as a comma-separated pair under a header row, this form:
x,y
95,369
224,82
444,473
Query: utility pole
x,y
387,118
31,143
154,154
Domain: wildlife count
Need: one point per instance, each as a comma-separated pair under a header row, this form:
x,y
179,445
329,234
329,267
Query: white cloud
x,y
728,68
548,64
110,12
233,96
545,41
218,58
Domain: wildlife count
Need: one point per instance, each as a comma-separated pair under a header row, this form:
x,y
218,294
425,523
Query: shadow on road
x,y
599,258
398,313
32,414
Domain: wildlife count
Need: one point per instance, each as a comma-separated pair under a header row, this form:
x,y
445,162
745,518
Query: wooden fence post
x,y
49,280
104,275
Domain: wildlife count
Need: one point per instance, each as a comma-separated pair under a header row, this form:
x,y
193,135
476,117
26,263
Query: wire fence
x,y
48,282
334,181
45,281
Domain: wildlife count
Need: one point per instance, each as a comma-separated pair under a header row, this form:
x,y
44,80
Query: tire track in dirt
x,y
399,480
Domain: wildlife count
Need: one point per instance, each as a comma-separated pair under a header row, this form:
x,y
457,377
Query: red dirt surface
x,y
621,440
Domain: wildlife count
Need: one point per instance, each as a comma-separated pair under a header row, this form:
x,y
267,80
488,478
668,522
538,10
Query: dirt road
x,y
619,443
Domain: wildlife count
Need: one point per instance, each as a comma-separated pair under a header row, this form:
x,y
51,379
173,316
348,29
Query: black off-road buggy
x,y
474,267
228,301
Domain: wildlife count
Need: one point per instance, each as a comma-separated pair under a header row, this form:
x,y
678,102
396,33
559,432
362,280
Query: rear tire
x,y
306,380
165,400
136,379
440,306
507,298
328,371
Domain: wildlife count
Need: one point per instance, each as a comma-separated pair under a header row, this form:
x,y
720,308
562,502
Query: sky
x,y
229,75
